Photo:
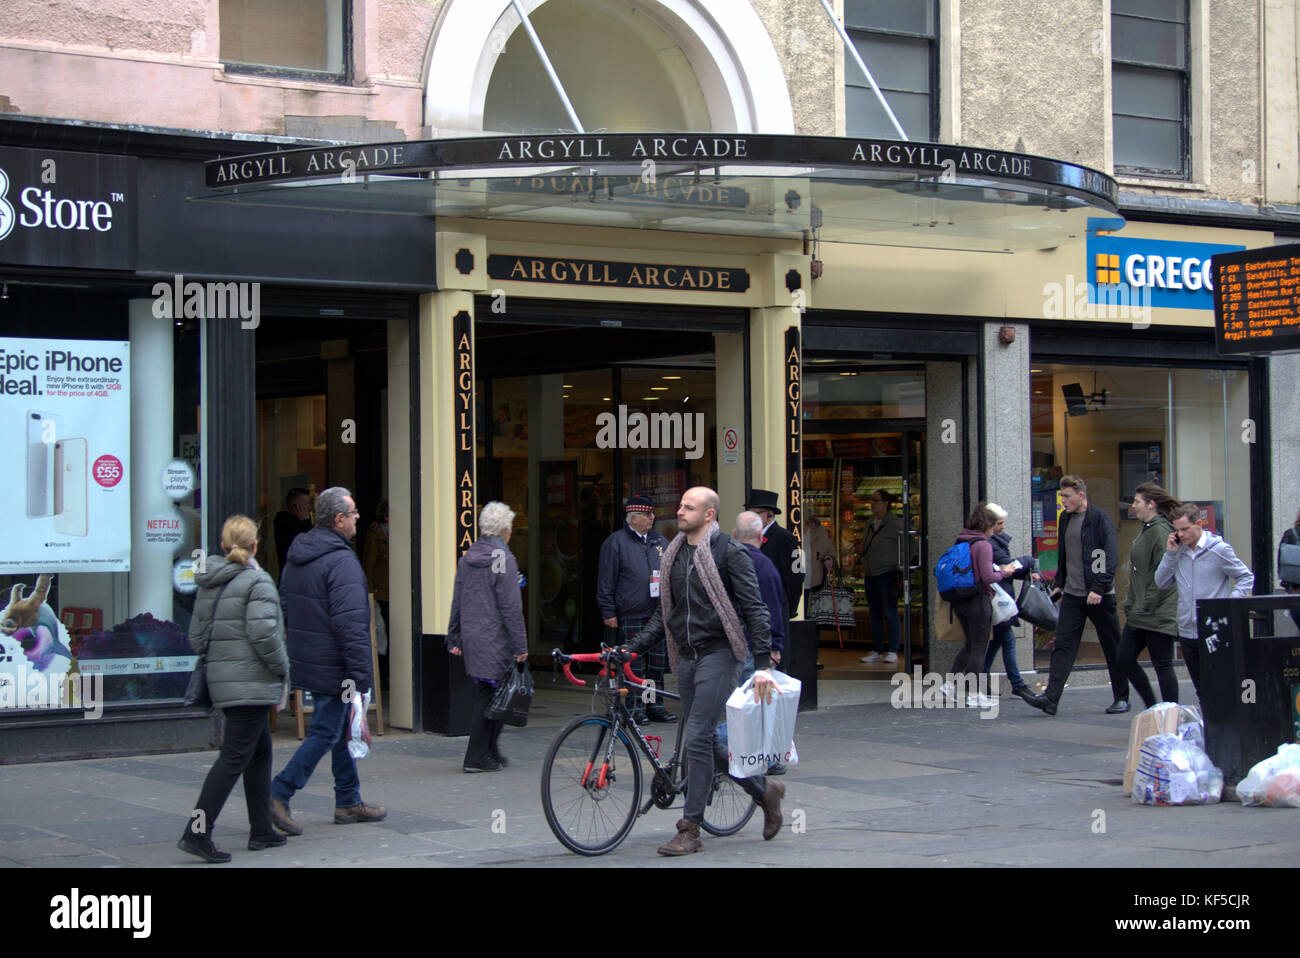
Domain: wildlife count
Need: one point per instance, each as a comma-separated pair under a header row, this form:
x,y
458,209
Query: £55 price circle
x,y
107,471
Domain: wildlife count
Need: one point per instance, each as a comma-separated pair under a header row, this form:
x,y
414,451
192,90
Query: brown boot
x,y
359,813
687,840
772,817
283,819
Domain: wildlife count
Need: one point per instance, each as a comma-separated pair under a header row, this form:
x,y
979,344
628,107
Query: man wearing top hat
x,y
779,546
627,591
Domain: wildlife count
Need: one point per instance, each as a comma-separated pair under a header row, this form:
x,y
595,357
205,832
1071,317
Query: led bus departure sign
x,y
1257,300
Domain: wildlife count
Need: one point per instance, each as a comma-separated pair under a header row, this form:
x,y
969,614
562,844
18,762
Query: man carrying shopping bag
x,y
707,587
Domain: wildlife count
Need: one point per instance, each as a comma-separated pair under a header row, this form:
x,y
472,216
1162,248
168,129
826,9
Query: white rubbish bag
x,y
758,734
1274,781
359,729
1174,771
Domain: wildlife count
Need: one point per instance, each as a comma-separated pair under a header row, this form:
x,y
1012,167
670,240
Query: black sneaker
x,y
272,840
200,846
486,767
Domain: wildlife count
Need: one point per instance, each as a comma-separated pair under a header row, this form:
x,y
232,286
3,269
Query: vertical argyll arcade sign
x,y
462,352
794,435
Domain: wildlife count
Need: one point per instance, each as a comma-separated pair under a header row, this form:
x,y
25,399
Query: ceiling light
x,y
670,377
659,389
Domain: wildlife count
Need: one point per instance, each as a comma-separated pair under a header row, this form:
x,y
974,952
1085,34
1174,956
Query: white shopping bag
x,y
1004,607
759,735
359,729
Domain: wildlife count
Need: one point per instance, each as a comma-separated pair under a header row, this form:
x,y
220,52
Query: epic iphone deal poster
x,y
65,441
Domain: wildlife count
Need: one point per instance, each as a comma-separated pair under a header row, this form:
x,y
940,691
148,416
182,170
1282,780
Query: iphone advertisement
x,y
65,431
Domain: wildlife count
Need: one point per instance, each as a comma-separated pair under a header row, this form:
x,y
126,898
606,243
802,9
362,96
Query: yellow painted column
x,y
399,525
439,487
729,372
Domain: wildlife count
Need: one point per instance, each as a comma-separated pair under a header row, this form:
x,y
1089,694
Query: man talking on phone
x,y
1204,566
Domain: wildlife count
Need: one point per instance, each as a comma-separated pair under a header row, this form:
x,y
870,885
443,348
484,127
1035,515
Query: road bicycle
x,y
592,782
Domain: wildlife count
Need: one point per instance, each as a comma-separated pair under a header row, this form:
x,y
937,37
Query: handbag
x,y
513,696
1288,563
831,606
1036,605
1004,607
196,692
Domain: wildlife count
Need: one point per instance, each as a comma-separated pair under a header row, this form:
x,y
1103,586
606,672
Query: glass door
x,y
846,465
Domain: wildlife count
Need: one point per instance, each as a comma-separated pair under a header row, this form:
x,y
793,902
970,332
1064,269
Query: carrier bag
x,y
514,695
1004,607
1274,781
761,734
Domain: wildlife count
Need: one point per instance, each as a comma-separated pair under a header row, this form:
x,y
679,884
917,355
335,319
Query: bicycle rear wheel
x,y
729,806
591,806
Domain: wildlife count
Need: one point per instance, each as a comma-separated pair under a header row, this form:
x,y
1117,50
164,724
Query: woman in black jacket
x,y
238,630
1003,636
1289,538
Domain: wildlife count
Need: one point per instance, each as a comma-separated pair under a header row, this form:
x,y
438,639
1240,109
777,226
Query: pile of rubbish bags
x,y
1172,767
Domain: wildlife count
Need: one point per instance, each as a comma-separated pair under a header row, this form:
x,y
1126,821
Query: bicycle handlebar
x,y
603,657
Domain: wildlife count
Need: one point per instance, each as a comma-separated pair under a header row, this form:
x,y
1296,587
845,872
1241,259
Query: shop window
x,y
97,568
899,42
863,394
621,71
1119,426
299,38
1150,80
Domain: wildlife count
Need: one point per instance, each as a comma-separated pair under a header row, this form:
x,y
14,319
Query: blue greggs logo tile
x,y
1175,274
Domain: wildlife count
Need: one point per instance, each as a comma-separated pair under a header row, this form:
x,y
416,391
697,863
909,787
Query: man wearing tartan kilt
x,y
627,590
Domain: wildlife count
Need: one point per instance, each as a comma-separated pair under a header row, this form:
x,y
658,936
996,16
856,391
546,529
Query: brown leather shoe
x,y
772,817
686,841
359,813
282,819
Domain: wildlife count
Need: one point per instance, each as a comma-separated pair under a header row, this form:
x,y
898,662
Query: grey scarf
x,y
717,593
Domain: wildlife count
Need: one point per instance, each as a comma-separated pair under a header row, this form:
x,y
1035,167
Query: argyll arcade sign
x,y
828,156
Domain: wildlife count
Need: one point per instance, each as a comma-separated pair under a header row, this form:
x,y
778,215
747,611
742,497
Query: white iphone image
x,y
70,506
42,433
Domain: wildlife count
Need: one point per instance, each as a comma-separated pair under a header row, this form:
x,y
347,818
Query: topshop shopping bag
x,y
760,735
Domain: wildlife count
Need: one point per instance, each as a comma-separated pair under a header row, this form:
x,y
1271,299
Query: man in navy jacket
x,y
327,624
627,591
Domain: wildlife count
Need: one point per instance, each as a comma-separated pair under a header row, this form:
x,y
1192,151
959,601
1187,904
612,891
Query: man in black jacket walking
x,y
627,590
327,624
707,587
1085,582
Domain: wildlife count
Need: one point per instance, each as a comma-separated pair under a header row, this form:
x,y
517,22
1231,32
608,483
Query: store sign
x,y
680,190
1257,300
462,352
676,151
72,210
794,433
1172,275
589,272
65,418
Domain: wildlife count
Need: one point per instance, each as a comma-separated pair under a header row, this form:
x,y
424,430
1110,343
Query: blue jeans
x,y
328,732
1005,638
884,611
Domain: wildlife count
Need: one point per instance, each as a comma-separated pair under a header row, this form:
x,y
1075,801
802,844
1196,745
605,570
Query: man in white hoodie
x,y
1204,566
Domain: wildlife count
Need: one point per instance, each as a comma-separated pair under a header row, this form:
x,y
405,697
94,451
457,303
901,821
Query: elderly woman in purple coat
x,y
487,627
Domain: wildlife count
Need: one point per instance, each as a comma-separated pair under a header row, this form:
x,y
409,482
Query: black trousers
x,y
483,732
1069,632
1161,647
1192,656
976,617
246,751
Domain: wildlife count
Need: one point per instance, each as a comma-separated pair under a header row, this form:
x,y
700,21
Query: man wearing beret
x,y
627,591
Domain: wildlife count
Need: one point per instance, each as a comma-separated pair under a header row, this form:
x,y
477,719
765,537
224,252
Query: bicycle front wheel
x,y
591,789
728,808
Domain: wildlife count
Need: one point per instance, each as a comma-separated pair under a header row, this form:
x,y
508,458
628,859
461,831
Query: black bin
x,y
801,646
1250,681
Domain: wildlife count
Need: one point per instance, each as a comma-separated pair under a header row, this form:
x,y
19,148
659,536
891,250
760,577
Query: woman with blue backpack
x,y
965,576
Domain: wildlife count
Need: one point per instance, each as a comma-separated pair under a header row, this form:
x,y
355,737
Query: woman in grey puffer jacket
x,y
487,627
239,630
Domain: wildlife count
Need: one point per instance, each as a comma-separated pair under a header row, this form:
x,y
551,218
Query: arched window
x,y
626,65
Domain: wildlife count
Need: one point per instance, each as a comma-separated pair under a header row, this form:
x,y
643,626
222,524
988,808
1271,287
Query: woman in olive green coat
x,y
238,629
1150,613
